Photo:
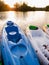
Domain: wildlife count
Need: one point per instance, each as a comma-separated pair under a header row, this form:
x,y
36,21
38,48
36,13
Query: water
x,y
23,19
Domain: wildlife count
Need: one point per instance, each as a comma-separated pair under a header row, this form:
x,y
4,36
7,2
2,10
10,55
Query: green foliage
x,y
0,63
47,25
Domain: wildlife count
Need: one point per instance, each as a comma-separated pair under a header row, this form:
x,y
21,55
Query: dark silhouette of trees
x,y
17,7
4,7
24,7
47,8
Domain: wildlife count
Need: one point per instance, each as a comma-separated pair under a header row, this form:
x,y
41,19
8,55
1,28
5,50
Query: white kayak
x,y
46,28
40,43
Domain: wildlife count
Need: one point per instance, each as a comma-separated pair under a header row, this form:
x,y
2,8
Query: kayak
x,y
16,49
1,63
46,28
39,42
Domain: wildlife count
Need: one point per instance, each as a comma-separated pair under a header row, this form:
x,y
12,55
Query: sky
x,y
36,3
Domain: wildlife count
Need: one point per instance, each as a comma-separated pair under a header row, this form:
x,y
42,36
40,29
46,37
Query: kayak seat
x,y
14,38
11,28
13,33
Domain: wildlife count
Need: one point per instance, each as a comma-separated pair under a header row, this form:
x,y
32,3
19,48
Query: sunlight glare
x,y
10,2
36,3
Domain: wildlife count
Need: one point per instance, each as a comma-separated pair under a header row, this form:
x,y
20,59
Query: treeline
x,y
24,7
47,8
4,7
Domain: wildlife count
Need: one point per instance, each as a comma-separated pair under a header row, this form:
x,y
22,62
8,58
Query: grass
x,y
0,63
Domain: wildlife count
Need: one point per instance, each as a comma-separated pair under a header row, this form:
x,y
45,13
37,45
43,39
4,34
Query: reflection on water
x,y
3,15
23,19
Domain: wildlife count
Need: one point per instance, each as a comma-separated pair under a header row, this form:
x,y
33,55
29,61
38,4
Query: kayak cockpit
x,y
12,33
35,31
21,50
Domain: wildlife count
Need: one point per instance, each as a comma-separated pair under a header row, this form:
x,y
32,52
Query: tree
x,y
16,6
24,7
4,7
47,8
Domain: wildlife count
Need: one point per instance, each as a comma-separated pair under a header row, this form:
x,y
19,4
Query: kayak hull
x,y
17,52
40,43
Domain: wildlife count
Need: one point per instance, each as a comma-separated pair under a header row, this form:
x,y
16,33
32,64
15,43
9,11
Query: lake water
x,y
23,19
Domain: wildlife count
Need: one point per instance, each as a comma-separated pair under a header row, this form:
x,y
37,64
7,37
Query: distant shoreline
x,y
24,7
24,11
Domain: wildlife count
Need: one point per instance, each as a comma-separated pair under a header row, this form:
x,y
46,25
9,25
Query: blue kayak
x,y
16,49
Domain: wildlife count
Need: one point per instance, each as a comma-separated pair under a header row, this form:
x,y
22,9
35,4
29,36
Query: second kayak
x,y
39,42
